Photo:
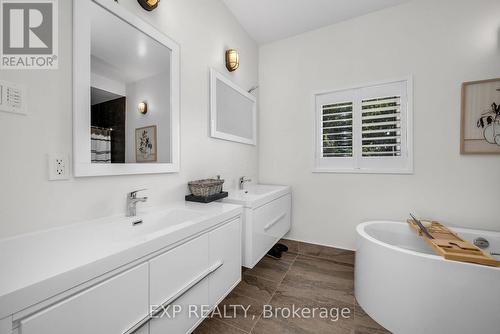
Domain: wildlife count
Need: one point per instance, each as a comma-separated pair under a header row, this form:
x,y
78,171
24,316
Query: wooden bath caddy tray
x,y
450,246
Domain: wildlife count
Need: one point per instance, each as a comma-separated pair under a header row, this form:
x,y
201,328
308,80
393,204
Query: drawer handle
x,y
274,222
182,291
175,296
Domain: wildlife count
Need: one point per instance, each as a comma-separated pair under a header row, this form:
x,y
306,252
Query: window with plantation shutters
x,y
365,129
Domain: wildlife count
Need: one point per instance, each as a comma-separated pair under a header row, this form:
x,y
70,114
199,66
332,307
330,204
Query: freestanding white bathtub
x,y
401,284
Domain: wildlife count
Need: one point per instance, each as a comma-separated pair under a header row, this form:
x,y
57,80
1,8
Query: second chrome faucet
x,y
243,181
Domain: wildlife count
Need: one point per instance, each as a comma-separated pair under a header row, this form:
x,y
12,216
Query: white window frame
x,y
358,164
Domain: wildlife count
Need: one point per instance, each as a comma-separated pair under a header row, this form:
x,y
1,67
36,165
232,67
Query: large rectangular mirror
x,y
233,111
126,112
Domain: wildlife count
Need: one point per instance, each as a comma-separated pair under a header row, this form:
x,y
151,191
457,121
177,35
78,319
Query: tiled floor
x,y
308,276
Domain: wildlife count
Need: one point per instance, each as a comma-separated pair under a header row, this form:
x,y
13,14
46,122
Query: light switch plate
x,y
58,167
12,98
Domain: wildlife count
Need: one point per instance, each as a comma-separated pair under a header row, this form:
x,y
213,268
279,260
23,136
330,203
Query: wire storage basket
x,y
206,188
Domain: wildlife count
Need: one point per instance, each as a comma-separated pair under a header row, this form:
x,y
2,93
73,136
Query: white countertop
x,y
40,265
256,195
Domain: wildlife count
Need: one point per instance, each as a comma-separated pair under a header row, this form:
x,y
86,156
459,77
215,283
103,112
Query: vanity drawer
x,y
274,218
112,306
170,272
180,321
225,248
271,222
177,280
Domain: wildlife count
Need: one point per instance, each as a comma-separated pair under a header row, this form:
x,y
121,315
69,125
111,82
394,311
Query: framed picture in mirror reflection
x,y
146,144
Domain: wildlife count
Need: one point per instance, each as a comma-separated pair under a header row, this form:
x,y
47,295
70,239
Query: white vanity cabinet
x,y
266,218
270,223
163,292
112,306
194,277
225,249
178,282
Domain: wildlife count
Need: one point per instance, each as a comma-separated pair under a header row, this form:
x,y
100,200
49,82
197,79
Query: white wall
x,y
156,92
442,43
110,85
28,201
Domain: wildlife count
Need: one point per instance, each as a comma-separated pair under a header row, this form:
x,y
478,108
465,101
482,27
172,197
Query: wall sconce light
x,y
149,5
232,60
143,108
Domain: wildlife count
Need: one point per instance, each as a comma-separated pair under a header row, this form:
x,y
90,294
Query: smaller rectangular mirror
x,y
233,111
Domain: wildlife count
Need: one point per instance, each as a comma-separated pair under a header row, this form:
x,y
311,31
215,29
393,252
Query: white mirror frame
x,y
82,165
214,76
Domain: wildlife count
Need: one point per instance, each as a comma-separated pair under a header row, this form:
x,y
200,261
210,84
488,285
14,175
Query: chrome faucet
x,y
243,181
132,201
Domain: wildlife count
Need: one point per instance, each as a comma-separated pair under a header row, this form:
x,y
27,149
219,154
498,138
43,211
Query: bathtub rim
x,y
360,230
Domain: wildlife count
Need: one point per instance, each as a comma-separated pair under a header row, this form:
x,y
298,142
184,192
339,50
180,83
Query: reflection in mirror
x,y
128,68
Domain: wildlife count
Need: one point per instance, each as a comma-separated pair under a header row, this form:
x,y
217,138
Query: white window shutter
x,y
365,129
381,127
337,130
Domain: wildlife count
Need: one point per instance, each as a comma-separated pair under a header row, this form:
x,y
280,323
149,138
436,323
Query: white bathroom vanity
x,y
266,218
119,275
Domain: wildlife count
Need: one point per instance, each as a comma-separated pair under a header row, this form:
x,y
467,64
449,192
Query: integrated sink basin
x,y
162,220
257,195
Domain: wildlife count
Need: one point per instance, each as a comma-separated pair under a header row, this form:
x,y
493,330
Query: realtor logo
x,y
29,34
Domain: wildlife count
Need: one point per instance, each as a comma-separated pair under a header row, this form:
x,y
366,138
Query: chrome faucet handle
x,y
133,194
243,181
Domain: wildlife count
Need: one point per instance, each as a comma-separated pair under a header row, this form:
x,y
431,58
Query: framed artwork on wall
x,y
146,144
480,128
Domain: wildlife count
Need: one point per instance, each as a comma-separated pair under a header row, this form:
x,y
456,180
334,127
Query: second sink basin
x,y
257,195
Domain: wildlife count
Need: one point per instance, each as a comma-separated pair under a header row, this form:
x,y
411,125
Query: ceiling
x,y
123,53
270,20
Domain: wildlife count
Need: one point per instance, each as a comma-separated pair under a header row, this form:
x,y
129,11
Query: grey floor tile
x,y
215,326
287,257
323,269
364,324
347,258
322,278
276,320
234,314
257,288
307,285
298,326
277,326
340,255
273,270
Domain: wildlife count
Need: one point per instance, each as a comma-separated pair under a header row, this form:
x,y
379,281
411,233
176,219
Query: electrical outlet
x,y
58,167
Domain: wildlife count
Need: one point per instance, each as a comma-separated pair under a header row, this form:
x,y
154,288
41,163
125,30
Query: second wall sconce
x,y
149,5
142,107
232,60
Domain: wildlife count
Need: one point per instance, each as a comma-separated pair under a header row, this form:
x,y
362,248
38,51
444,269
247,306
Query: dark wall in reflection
x,y
112,114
